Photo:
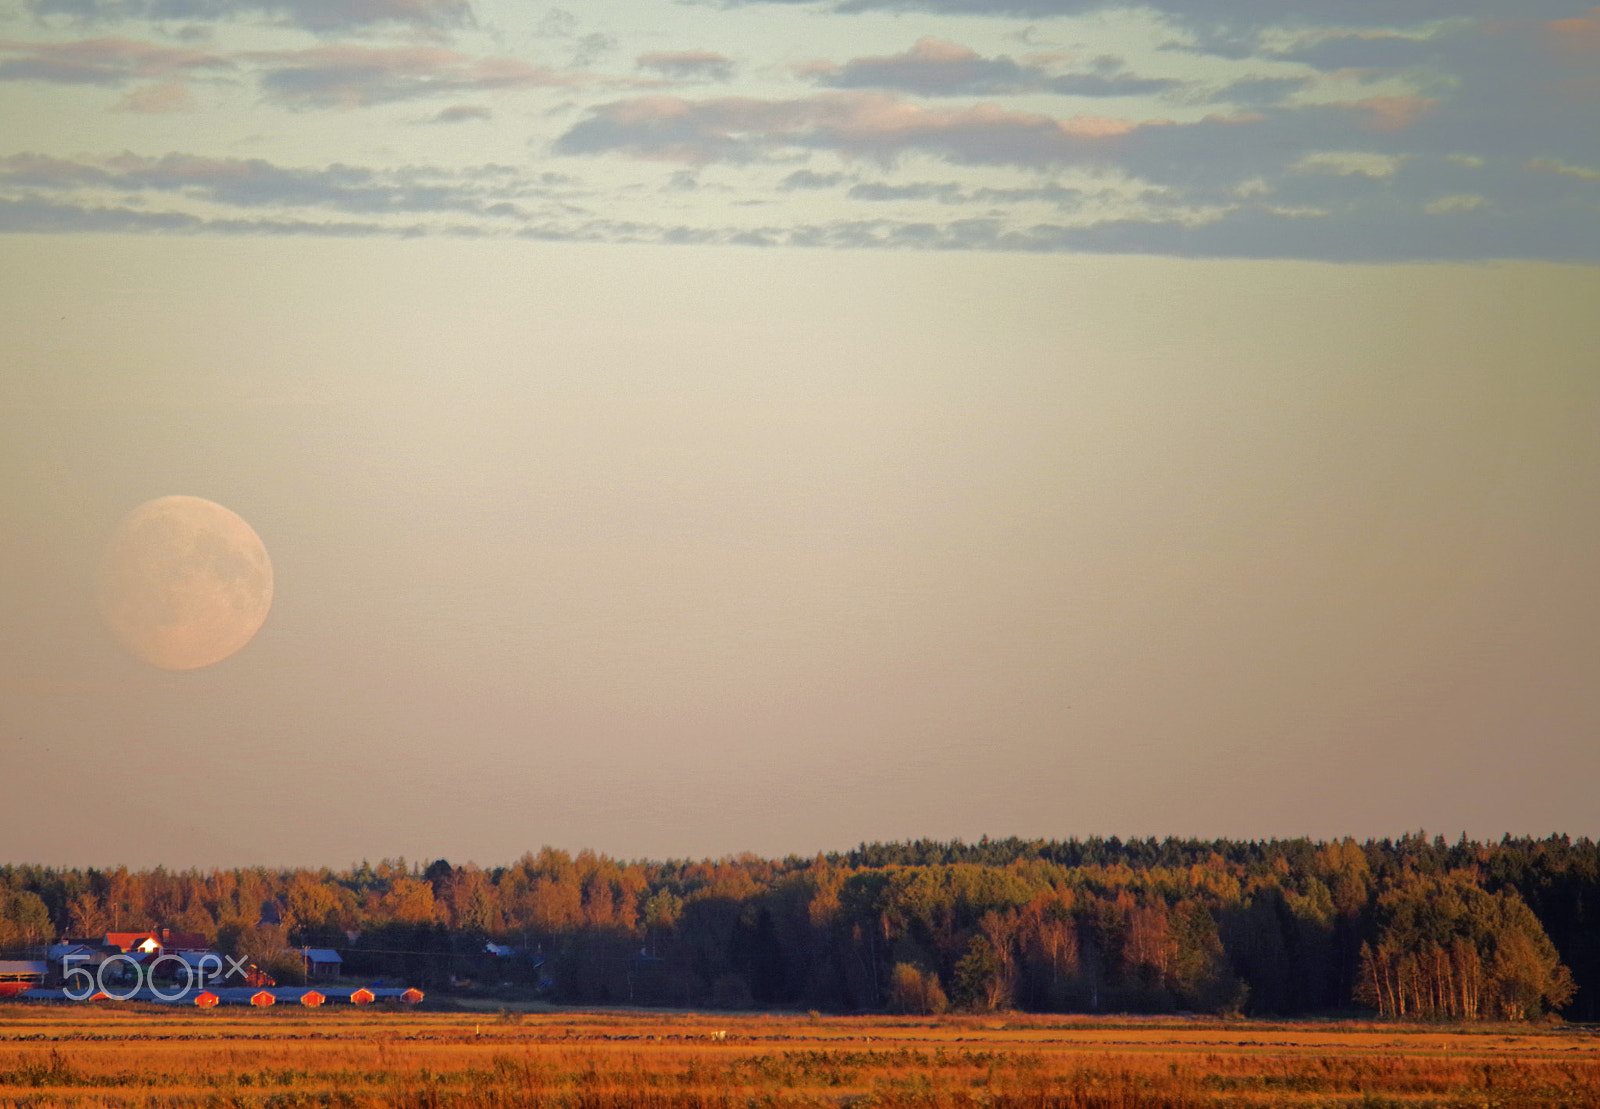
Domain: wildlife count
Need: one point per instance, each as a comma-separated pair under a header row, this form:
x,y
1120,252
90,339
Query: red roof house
x,y
128,942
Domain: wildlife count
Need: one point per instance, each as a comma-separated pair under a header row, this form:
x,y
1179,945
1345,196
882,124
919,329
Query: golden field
x,y
115,1056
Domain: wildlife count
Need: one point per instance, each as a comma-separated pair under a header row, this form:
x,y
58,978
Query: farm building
x,y
322,962
155,942
19,975
134,943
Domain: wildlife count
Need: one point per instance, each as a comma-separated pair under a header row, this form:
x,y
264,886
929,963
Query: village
x,y
180,968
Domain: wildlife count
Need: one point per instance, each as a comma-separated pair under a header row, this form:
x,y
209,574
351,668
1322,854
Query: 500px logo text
x,y
82,984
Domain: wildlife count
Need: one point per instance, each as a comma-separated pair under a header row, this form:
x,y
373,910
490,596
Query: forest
x,y
1413,928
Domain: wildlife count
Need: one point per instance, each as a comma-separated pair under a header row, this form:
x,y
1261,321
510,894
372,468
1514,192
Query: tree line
x,y
1413,928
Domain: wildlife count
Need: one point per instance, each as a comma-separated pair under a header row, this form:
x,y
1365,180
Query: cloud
x,y
359,76
1556,165
1391,113
254,183
1576,39
101,61
1459,202
1325,215
1348,164
932,67
1378,232
462,113
859,124
806,179
1259,92
1343,131
687,65
935,67
1367,51
950,192
591,48
1226,13
35,216
315,15
169,96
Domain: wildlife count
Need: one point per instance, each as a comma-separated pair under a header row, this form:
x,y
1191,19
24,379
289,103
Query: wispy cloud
x,y
349,76
100,61
859,124
316,15
255,183
1334,208
1238,14
1577,38
935,67
686,65
952,192
1258,92
1556,165
809,179
35,216
168,96
462,113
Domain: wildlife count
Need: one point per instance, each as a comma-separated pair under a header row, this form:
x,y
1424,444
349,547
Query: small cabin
x,y
323,962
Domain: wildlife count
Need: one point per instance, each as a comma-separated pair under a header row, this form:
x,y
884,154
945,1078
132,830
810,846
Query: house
x,y
322,962
62,957
18,975
80,953
155,942
134,943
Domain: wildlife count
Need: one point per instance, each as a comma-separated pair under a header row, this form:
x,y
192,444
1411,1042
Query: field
x,y
107,1055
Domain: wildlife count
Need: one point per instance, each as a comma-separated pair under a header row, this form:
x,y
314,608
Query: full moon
x,y
184,583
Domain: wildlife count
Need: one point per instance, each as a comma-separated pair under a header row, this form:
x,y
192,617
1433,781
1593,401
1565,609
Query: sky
x,y
687,428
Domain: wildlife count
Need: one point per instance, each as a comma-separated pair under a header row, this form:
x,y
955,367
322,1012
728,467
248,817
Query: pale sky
x,y
685,428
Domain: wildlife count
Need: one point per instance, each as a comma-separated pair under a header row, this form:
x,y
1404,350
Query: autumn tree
x,y
915,990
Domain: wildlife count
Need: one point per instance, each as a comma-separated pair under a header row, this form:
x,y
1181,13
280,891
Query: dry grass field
x,y
147,1057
